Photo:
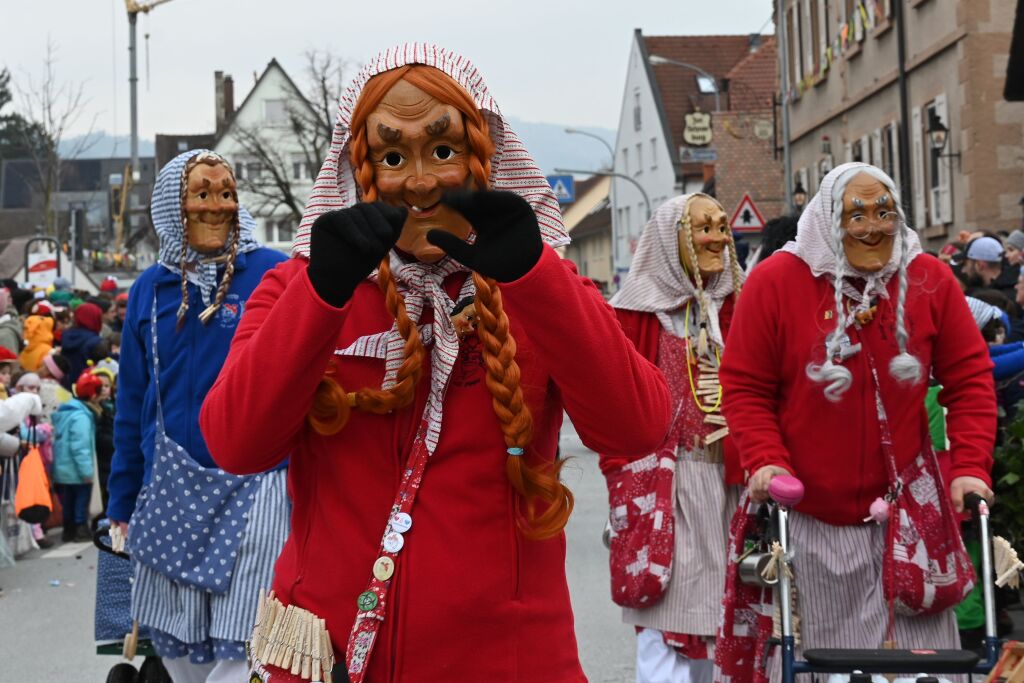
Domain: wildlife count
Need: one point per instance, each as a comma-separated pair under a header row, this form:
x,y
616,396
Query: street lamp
x,y
799,197
611,152
706,83
640,187
938,137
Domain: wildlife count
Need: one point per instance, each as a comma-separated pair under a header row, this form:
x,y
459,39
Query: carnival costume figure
x,y
825,378
676,306
427,535
203,541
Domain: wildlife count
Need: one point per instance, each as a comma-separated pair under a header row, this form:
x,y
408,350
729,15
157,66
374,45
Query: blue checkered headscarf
x,y
170,227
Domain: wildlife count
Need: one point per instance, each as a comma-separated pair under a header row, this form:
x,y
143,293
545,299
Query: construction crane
x,y
134,9
119,202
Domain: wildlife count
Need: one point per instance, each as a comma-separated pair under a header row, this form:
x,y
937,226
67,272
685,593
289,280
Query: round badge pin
x,y
367,601
401,522
393,542
383,568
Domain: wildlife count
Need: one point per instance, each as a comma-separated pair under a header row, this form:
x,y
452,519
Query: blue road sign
x,y
564,188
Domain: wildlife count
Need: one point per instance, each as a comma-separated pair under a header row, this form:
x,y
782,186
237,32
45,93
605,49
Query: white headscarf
x,y
512,170
819,243
657,282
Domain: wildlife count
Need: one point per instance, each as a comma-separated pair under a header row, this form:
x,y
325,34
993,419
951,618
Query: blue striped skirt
x,y
189,621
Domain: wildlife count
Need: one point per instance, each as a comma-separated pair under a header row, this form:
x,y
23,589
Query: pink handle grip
x,y
786,490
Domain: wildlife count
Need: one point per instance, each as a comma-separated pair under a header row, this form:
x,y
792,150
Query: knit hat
x,y
7,356
985,249
90,317
52,366
87,386
122,298
29,379
61,296
1016,240
43,307
982,312
109,284
100,301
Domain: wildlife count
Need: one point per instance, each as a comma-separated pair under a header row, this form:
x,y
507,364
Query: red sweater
x,y
778,416
471,599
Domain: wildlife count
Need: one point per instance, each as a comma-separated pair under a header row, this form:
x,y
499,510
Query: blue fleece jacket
x,y
74,447
190,360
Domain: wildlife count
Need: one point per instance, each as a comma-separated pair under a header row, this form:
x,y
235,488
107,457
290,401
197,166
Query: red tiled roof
x,y
677,86
755,79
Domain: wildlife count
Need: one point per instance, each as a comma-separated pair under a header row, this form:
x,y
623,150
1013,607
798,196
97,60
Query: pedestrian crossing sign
x,y
564,188
746,217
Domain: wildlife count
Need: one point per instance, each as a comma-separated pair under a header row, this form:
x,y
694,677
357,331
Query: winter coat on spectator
x,y
38,341
74,452
79,342
10,330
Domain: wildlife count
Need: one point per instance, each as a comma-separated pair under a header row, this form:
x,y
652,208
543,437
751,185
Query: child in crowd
x,y
106,370
52,373
8,364
36,431
75,454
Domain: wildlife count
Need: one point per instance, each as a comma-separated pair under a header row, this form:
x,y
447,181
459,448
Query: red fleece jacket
x,y
471,600
777,416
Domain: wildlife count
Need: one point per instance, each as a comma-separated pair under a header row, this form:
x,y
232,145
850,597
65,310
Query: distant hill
x,y
101,145
549,144
553,148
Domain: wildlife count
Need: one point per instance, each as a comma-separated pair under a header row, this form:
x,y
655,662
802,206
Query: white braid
x,y
903,368
836,378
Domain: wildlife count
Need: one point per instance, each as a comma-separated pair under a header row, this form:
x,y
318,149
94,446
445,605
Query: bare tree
x,y
310,122
54,107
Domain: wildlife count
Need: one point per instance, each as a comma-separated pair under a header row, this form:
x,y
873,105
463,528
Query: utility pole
x,y
906,184
134,9
787,161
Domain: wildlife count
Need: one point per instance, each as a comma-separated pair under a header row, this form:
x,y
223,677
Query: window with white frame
x,y
794,24
639,158
301,169
654,153
891,162
939,191
278,230
637,123
625,160
275,112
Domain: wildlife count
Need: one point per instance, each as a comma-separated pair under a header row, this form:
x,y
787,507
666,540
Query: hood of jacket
x,y
78,339
38,330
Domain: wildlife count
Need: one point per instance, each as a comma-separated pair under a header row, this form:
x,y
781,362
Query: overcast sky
x,y
557,61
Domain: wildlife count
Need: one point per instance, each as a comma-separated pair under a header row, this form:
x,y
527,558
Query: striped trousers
x,y
192,615
838,576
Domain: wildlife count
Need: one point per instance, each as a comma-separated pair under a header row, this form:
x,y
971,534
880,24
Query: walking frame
x,y
785,492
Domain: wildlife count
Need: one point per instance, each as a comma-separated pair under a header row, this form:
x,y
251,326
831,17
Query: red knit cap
x,y
6,355
87,386
108,285
90,317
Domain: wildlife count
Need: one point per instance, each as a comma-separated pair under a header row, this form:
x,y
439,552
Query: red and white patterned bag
x,y
641,498
926,569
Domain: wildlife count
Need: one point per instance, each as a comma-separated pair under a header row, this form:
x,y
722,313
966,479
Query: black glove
x,y
346,245
508,242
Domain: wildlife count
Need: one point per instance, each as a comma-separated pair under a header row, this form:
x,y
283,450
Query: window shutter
x,y
847,152
865,150
918,179
944,195
876,147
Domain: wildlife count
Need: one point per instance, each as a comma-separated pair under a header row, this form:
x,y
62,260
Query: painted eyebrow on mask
x,y
439,126
883,200
388,134
858,203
